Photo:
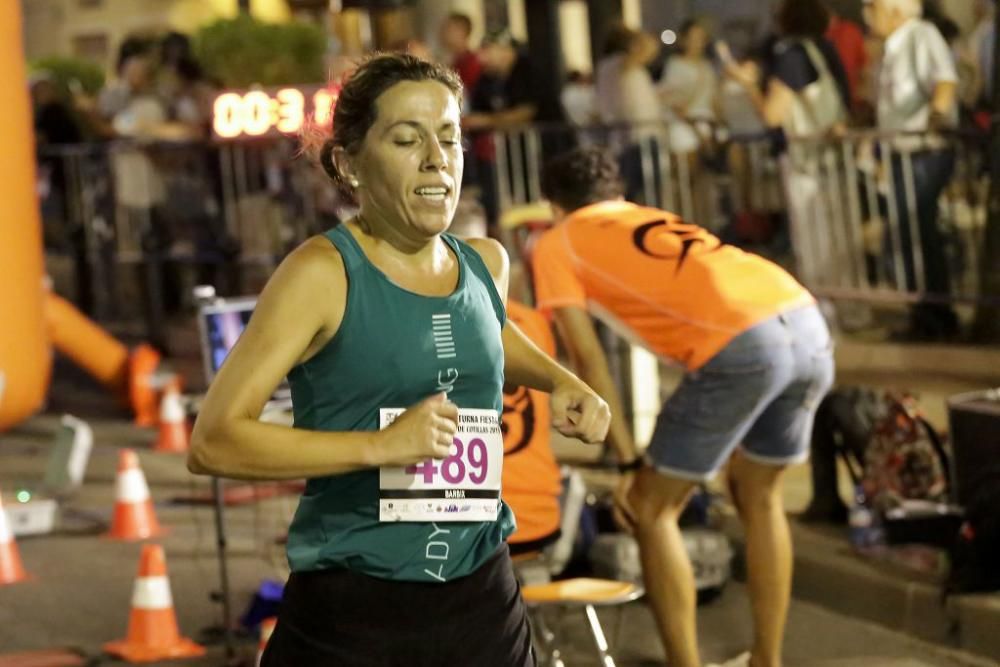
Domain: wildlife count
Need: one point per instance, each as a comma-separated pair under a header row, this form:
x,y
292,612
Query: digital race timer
x,y
271,111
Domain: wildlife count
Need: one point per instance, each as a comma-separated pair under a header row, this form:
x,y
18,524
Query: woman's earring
x,y
354,182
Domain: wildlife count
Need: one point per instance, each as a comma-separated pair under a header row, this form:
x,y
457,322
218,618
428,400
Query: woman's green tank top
x,y
386,355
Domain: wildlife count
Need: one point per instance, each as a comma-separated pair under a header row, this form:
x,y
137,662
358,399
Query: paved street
x,y
80,596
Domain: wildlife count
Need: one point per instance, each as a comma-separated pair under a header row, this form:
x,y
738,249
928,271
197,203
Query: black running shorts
x,y
339,618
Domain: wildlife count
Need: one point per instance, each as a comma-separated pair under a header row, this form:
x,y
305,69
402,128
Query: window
x,y
91,47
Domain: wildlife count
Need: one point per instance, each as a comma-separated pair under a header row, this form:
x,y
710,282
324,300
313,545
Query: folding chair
x,y
542,594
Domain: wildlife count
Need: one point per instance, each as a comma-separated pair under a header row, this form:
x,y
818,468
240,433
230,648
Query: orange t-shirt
x,y
670,286
531,480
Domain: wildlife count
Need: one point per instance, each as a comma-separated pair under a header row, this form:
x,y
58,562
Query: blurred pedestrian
x,y
918,86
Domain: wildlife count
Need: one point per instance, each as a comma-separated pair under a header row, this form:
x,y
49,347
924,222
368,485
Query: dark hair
x,y
686,29
688,25
618,39
461,19
581,177
802,18
174,47
355,111
131,47
189,70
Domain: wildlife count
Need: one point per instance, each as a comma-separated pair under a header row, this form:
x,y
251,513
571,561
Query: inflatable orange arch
x,y
32,320
25,356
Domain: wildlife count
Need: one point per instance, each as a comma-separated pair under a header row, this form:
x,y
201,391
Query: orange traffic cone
x,y
266,630
11,570
134,518
174,434
152,624
142,365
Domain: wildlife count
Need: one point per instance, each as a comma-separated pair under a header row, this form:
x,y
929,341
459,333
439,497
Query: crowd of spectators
x,y
907,67
104,152
157,90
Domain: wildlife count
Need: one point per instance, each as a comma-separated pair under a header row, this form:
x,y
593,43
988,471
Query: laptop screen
x,y
220,325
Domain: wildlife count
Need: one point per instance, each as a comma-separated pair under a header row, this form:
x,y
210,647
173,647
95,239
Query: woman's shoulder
x,y
793,65
319,250
492,252
309,287
789,49
493,258
317,261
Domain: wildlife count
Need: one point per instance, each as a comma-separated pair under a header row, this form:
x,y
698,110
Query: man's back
x,y
673,286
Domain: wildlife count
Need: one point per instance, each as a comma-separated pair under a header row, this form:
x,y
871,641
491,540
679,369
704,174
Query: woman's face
x,y
696,41
410,164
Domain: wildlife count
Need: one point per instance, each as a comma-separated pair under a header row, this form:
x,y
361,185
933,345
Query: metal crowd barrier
x,y
866,216
860,224
140,223
898,217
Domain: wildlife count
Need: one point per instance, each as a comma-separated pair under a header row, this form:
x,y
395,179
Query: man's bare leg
x,y
658,501
757,493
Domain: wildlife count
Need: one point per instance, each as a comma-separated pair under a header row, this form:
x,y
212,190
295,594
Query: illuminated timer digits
x,y
323,102
258,112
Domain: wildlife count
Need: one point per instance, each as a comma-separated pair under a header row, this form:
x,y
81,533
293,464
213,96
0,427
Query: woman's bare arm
x,y
299,310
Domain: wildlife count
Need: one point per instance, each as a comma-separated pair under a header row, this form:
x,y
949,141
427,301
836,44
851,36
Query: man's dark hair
x,y
802,18
130,47
617,39
175,47
356,110
463,20
581,177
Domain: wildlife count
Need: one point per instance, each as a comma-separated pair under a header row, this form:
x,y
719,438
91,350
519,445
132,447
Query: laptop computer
x,y
220,324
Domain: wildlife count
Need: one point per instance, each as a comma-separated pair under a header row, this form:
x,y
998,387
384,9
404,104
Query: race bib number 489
x,y
463,487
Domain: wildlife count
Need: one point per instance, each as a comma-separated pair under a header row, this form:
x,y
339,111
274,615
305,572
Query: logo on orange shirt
x,y
518,423
689,235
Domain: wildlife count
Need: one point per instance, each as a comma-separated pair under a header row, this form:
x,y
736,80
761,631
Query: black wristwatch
x,y
631,466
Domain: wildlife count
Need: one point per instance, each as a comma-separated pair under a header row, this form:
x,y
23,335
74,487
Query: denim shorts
x,y
760,392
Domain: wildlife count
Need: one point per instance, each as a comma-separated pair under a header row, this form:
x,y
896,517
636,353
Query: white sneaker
x,y
742,660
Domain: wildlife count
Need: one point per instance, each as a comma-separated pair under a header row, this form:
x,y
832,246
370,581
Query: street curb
x,y
827,573
978,623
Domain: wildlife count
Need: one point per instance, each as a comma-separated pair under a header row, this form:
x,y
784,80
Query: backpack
x,y
904,458
906,477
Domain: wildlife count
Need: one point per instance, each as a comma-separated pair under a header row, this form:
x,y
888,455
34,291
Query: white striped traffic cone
x,y
152,623
174,437
11,569
134,518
